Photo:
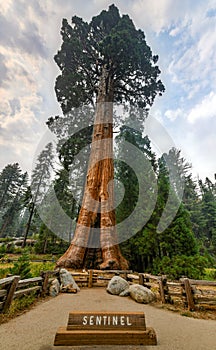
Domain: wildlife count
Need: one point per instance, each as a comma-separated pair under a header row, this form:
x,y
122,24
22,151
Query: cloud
x,y
3,70
181,32
206,109
173,114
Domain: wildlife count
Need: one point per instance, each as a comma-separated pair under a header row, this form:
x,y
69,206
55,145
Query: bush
x,y
22,266
4,272
210,274
2,250
179,266
37,268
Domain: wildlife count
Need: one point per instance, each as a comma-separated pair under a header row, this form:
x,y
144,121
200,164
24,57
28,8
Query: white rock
x,y
54,288
117,285
141,294
67,280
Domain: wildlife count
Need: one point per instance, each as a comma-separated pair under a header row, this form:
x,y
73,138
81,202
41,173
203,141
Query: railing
x,y
13,287
191,293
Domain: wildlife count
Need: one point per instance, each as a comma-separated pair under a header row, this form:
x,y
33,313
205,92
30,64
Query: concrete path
x,y
35,330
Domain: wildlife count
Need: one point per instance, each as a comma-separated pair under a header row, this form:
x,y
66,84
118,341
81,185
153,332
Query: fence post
x,y
161,289
10,294
45,276
141,279
189,294
90,279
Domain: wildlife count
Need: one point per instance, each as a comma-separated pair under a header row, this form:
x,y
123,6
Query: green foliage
x,y
13,185
37,268
49,243
181,266
2,250
22,266
109,42
22,303
4,271
210,274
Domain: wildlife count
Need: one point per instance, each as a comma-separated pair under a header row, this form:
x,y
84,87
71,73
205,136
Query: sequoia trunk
x,y
98,198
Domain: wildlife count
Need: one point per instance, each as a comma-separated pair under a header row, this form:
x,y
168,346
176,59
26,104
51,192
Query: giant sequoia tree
x,y
102,62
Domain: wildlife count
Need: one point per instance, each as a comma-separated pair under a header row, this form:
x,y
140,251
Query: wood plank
x,y
90,282
106,320
110,337
152,277
10,294
189,295
174,284
3,292
176,294
162,292
45,276
28,281
205,300
6,281
119,272
21,292
201,282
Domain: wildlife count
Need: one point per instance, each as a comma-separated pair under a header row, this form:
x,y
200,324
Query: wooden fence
x,y
190,293
13,287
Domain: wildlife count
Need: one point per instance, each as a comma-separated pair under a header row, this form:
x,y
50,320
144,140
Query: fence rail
x,y
191,293
13,287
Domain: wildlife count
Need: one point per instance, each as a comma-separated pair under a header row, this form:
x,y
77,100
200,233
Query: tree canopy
x,y
111,42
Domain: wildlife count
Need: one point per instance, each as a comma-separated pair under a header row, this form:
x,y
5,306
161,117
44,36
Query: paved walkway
x,y
35,330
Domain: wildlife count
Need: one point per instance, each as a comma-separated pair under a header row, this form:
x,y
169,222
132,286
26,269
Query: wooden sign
x,y
106,320
105,328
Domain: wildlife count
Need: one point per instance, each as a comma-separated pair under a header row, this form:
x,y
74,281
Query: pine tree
x,y
38,188
22,266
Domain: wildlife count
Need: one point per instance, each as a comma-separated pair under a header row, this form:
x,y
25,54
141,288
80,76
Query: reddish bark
x,y
99,190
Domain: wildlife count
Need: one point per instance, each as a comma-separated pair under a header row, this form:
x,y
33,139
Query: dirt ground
x,y
35,330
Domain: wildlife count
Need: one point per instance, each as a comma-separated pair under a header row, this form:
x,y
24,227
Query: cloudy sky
x,y
182,33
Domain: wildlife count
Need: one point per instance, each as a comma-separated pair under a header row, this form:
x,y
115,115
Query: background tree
x,y
104,61
12,186
40,178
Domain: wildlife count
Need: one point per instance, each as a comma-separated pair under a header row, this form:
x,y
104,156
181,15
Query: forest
x,y
187,245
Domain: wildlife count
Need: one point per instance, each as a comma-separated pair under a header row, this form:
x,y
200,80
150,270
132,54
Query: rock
x,y
68,289
67,280
125,293
54,289
141,294
117,285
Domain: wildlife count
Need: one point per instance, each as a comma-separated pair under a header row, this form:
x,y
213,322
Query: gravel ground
x,y
35,330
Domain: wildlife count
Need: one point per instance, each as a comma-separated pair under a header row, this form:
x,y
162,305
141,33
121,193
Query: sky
x,y
182,33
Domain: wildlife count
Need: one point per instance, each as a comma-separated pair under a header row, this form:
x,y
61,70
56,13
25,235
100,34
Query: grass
x,y
36,268
20,306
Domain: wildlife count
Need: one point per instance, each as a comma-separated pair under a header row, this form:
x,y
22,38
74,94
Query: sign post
x,y
105,328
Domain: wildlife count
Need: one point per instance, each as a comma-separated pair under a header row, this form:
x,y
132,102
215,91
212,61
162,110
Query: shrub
x,y
181,265
210,274
22,266
37,268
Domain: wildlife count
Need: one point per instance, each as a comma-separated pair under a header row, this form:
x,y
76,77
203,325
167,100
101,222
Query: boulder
x,y
67,280
54,288
117,285
68,289
125,293
141,294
